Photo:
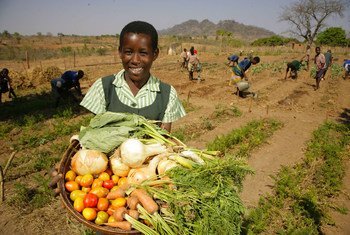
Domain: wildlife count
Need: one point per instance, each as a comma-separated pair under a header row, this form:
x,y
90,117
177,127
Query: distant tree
x,y
334,36
6,34
307,17
39,34
17,37
221,33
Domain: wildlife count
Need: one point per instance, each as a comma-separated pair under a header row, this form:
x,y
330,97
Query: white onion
x,y
87,161
134,153
119,168
164,165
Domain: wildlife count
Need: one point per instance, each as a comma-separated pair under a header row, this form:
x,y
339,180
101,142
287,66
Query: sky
x,y
97,17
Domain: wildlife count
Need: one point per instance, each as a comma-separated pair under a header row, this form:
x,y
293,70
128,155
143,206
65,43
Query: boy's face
x,y
137,56
317,50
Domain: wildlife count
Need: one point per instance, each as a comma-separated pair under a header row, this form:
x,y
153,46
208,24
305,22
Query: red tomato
x,y
90,200
108,184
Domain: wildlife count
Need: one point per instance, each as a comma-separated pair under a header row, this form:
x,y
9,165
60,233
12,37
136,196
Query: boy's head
x,y
318,50
192,50
139,27
80,73
256,60
138,49
4,72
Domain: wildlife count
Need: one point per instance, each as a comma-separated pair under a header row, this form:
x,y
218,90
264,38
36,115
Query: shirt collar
x,y
152,83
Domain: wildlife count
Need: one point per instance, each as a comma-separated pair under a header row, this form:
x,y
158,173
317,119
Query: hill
x,y
208,28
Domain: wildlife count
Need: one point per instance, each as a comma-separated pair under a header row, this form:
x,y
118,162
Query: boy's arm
x,y
244,75
77,88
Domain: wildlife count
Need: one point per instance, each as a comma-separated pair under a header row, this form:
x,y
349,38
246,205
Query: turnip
x,y
134,153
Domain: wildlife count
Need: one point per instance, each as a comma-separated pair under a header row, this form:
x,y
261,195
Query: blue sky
x,y
96,17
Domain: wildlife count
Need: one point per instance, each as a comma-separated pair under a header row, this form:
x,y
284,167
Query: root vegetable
x,y
134,153
118,167
87,161
119,213
164,165
132,202
146,200
193,156
125,225
134,214
115,194
138,175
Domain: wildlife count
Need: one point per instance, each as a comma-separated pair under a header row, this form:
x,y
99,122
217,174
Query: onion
x,y
134,153
87,161
164,165
145,172
117,166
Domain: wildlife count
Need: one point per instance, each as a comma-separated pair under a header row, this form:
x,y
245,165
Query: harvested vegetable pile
x,y
166,188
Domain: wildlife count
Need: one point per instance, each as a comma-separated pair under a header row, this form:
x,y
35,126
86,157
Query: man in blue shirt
x,y
239,73
60,87
244,65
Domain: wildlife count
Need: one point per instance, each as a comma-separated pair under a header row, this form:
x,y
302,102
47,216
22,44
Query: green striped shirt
x,y
94,99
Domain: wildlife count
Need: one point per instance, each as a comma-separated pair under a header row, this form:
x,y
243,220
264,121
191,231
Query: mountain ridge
x,y
207,28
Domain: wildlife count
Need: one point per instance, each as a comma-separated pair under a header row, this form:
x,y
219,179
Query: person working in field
x,y
320,62
183,56
5,84
306,58
346,66
239,73
293,67
193,64
134,89
329,61
61,86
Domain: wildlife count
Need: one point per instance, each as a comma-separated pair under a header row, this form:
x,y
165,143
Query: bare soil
x,y
293,102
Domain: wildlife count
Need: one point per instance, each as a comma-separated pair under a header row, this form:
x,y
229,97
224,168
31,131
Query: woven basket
x,y
63,168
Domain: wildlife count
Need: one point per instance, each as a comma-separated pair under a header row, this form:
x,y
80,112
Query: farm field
x,y
39,133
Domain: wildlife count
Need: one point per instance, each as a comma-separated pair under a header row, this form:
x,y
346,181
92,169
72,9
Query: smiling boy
x,y
134,89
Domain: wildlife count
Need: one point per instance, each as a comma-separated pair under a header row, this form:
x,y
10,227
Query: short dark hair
x,y
80,73
140,27
256,59
4,72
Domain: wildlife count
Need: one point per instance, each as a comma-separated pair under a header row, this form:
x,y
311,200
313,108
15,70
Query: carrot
x,y
125,225
146,200
119,213
115,194
134,214
110,211
132,202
